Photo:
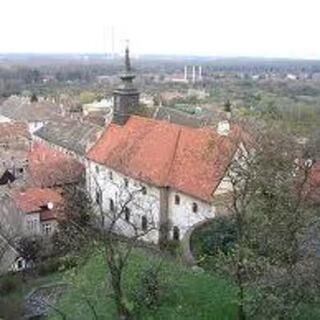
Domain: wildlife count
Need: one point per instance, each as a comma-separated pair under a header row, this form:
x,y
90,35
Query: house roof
x,y
180,117
190,160
70,134
9,130
21,109
36,200
49,168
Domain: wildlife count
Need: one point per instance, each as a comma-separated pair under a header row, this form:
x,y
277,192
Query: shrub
x,y
217,236
8,284
56,264
49,266
172,247
149,291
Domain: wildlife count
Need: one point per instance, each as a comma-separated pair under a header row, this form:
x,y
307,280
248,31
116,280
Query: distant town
x,y
159,187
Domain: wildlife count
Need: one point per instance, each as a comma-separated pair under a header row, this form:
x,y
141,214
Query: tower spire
x,y
127,59
126,96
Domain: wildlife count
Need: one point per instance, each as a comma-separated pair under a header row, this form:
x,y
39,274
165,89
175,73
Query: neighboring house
x,y
41,209
11,229
14,136
178,117
71,137
15,144
50,168
99,118
33,211
35,114
101,106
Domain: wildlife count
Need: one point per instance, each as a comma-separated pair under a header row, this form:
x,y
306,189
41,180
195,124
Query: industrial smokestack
x,y
193,74
200,73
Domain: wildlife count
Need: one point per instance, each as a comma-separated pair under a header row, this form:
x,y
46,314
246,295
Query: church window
x,y
111,205
127,214
194,207
177,199
144,223
176,233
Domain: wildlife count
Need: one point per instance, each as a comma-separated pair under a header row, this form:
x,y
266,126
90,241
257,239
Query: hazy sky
x,y
271,28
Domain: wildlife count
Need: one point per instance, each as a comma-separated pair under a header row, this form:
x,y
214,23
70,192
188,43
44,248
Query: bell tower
x,y
126,96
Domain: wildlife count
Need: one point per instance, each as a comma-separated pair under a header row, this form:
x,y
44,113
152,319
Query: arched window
x,y
126,182
97,169
127,214
110,175
176,233
144,190
111,205
194,207
177,199
144,223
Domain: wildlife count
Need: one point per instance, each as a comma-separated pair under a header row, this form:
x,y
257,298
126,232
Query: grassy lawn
x,y
188,295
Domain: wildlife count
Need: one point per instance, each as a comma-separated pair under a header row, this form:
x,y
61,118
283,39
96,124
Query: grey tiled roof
x,y
73,135
20,109
183,118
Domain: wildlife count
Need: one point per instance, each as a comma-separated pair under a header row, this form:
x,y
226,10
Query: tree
x,y
117,250
270,205
106,230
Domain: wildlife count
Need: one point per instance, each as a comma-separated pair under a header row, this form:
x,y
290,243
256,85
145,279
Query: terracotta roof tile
x,y
48,167
164,154
9,130
36,200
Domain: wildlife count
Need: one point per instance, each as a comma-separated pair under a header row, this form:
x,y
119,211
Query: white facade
x,y
34,226
109,188
186,211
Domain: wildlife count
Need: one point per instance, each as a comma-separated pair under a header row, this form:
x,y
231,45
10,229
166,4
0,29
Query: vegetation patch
x,y
177,292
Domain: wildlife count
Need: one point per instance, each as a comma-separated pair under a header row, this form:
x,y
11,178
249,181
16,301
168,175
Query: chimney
x,y
200,73
185,73
223,128
193,74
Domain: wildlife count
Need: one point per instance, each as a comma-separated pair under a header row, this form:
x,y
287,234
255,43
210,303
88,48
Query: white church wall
x,y
112,185
182,214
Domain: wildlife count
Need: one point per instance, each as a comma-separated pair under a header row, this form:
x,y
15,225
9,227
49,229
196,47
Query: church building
x,y
157,174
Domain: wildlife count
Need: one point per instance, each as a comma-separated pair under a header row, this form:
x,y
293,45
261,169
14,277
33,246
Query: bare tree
x,y
116,227
115,223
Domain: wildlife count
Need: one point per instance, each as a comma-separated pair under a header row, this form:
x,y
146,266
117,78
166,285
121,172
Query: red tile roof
x,y
48,167
164,154
9,130
36,199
